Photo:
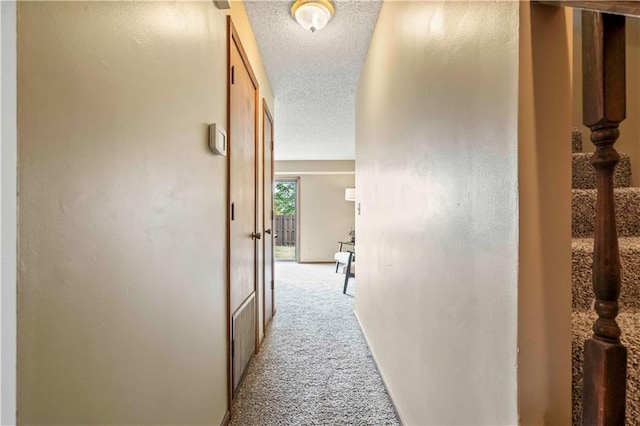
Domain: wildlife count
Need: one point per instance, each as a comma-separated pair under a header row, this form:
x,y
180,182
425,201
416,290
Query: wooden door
x,y
268,283
243,235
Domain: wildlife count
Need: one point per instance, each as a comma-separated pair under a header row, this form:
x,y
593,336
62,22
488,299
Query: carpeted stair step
x,y
628,322
581,274
583,209
576,140
584,175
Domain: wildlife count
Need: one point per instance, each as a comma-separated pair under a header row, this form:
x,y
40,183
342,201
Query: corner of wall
x,y
544,180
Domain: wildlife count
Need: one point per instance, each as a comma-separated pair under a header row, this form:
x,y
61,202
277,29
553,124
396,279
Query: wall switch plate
x,y
217,139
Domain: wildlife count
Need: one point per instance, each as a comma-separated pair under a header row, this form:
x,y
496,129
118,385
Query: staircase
x,y
627,201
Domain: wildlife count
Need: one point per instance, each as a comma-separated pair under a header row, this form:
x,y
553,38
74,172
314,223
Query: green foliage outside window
x,y
284,198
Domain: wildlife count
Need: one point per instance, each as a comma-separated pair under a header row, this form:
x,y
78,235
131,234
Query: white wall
x,y
436,177
8,187
325,216
122,301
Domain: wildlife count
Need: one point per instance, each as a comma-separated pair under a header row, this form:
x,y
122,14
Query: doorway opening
x,y
285,205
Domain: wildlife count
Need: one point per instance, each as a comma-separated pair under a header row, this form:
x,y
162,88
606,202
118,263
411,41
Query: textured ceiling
x,y
314,76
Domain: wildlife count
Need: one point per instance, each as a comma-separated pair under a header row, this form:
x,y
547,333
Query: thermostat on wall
x,y
217,139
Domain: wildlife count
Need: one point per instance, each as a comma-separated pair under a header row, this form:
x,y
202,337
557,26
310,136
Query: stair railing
x,y
605,357
604,105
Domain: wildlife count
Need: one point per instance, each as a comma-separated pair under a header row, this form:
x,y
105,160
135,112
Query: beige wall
x,y
544,173
444,243
438,229
319,166
122,279
325,216
629,141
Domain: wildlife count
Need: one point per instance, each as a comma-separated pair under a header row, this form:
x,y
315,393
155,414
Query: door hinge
x,y
272,285
271,214
233,74
233,211
233,347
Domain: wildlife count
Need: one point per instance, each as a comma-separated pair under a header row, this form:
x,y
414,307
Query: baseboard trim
x,y
226,419
384,380
318,262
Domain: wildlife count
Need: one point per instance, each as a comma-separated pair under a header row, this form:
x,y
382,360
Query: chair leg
x,y
337,264
347,273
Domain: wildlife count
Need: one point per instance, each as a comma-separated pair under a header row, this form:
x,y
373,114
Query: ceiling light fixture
x,y
313,15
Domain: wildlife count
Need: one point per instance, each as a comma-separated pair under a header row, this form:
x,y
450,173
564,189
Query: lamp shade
x,y
350,194
313,15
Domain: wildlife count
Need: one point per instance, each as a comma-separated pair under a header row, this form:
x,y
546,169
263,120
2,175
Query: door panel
x,y
243,326
242,181
242,211
268,247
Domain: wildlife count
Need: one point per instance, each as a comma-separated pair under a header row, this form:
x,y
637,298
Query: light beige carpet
x,y
314,367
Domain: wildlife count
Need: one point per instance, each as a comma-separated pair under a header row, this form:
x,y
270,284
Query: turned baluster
x,y
605,358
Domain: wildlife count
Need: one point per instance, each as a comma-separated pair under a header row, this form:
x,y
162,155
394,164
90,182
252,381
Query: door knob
x,y
256,235
268,231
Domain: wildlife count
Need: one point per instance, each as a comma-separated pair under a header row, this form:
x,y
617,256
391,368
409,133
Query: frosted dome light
x,y
313,15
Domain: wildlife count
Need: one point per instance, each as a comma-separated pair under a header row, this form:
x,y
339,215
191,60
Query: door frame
x,y
233,38
267,116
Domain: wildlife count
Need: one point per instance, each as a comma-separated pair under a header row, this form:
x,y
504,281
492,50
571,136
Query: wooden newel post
x,y
605,358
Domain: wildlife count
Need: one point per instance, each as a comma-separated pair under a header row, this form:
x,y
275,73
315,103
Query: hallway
x,y
138,169
314,366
